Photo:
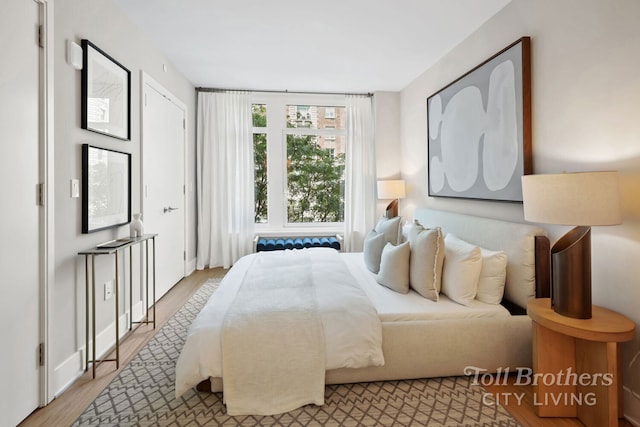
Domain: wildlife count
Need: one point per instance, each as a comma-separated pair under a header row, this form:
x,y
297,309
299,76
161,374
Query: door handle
x,y
169,209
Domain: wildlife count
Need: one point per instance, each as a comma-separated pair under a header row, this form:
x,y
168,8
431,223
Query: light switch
x,y
75,188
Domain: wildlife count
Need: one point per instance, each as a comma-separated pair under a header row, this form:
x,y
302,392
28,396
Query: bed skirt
x,y
440,348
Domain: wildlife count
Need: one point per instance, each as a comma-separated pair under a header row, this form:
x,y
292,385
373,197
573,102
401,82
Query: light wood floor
x,y
64,410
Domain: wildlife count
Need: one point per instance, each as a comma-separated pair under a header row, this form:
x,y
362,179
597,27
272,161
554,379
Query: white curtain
x,y
225,170
360,172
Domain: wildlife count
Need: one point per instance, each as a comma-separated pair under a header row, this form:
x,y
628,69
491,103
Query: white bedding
x,y
273,346
353,332
345,347
393,306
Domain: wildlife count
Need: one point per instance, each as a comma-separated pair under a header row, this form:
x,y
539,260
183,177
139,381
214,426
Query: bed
x,y
422,338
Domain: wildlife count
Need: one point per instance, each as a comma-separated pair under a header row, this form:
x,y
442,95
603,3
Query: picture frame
x,y
479,129
106,93
106,188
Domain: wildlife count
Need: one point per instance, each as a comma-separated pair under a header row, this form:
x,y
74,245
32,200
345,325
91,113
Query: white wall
x,y
386,110
586,116
105,25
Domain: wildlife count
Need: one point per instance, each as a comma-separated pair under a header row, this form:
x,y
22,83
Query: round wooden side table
x,y
577,363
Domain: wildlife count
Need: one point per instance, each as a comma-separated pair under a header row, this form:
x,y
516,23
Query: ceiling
x,y
324,46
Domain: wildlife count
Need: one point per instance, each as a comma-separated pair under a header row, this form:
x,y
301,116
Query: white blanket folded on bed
x,y
351,327
273,357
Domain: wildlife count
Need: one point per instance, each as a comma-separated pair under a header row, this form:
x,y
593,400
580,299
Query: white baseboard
x,y
138,311
68,371
73,367
191,267
631,407
635,423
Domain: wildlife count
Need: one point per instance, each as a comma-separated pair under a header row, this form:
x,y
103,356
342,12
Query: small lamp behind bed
x,y
582,199
391,189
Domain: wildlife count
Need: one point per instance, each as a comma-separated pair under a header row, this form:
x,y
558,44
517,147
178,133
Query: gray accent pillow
x,y
391,228
394,267
373,246
427,258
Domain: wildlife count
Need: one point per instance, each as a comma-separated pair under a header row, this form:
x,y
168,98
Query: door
x,y
19,221
163,142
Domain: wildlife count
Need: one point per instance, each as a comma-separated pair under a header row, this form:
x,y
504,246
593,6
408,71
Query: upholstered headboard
x,y
526,245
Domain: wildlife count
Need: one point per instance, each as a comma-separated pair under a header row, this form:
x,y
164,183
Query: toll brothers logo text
x,y
526,377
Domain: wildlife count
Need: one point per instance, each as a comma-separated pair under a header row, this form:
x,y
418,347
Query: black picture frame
x,y
106,93
479,129
106,188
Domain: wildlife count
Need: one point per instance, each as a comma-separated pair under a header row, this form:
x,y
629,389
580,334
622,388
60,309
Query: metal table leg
x,y
130,287
154,282
117,311
93,313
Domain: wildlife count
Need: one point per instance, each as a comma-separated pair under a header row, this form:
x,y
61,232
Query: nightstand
x,y
577,363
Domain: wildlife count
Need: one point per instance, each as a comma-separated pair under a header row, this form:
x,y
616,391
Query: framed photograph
x,y
106,93
106,188
479,129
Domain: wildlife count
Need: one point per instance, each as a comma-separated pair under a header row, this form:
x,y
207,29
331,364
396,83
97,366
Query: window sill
x,y
299,231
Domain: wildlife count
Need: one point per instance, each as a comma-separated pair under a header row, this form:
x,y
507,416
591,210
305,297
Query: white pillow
x,y
391,228
461,270
492,276
394,267
427,256
406,229
373,245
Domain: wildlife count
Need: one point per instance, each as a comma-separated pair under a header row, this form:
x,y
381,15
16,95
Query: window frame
x,y
277,131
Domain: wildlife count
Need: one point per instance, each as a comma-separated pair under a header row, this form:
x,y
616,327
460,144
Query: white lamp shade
x,y
586,198
392,189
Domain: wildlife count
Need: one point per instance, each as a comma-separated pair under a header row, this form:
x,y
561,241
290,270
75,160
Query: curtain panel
x,y
225,178
360,172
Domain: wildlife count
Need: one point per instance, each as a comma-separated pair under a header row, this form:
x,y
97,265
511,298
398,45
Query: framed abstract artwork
x,y
106,188
479,129
106,93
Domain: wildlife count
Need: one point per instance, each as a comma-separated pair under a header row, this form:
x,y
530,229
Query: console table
x,y
112,248
587,353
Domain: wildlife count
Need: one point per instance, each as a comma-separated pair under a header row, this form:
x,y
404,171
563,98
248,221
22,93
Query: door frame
x,y
46,170
147,80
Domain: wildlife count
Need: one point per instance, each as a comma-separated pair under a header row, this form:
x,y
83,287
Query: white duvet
x,y
350,324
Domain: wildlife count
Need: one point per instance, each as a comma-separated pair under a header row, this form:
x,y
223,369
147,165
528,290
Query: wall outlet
x,y
108,290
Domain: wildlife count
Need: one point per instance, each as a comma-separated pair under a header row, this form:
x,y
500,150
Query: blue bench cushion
x,y
281,243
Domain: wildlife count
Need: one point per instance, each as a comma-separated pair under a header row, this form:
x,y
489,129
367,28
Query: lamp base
x,y
571,274
392,209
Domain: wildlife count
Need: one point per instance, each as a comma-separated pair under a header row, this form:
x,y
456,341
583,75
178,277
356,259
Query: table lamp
x,y
579,199
391,189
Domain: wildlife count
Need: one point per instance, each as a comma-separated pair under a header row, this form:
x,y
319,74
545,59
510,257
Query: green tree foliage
x,y
259,114
260,175
315,178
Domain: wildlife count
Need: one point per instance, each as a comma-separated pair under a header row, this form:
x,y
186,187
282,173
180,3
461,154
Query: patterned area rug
x,y
143,395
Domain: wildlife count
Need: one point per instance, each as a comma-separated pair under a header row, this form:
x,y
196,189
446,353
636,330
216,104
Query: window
x,y
330,112
315,181
299,161
330,137
259,114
